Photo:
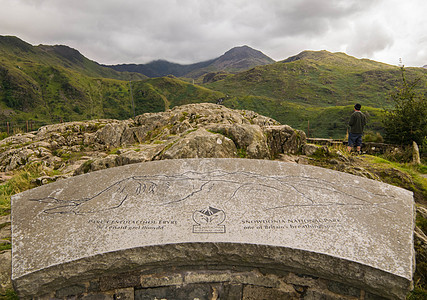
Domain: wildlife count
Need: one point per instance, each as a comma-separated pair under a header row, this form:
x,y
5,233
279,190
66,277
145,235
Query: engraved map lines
x,y
166,190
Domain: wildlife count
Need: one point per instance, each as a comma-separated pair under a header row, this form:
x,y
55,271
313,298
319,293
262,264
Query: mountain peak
x,y
234,60
241,58
245,52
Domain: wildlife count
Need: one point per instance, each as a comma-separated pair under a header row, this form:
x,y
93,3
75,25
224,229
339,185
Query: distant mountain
x,y
53,83
315,89
317,86
160,68
14,49
235,60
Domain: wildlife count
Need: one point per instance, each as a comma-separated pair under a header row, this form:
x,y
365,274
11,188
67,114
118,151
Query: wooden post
x,y
26,123
7,128
308,128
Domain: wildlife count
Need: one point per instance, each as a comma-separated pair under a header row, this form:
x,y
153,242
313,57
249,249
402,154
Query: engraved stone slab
x,y
223,211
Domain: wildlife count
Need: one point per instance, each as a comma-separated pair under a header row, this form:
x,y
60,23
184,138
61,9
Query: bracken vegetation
x,y
312,90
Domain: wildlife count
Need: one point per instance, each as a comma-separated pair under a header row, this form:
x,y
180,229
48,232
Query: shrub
x,y
373,137
407,121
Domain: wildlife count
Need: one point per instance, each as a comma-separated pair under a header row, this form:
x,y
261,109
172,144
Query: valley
x,y
313,91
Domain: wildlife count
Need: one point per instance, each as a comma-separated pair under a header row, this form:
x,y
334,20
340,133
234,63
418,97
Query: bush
x,y
407,121
373,137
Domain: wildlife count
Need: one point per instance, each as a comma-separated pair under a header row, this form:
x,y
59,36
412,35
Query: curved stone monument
x,y
215,223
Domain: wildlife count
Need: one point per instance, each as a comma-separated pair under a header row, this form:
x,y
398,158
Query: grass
x,y
318,86
22,180
9,295
415,171
405,175
417,294
5,247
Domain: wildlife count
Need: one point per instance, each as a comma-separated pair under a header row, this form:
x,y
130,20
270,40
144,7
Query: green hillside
x,y
320,79
313,91
49,84
159,94
317,87
21,55
235,60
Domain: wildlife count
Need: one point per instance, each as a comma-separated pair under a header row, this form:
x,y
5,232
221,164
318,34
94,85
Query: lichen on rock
x,y
193,130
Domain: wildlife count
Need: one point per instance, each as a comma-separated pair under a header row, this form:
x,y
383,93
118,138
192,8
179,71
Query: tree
x,y
407,121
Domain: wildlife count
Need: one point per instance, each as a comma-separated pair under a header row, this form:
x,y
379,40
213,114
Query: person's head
x,y
357,106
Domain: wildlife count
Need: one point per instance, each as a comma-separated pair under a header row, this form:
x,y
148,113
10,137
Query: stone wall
x,y
200,226
213,283
367,147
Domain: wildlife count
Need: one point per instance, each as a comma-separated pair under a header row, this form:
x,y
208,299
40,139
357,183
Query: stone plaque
x,y
298,217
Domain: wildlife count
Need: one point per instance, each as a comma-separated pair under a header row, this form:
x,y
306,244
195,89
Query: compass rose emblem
x,y
209,220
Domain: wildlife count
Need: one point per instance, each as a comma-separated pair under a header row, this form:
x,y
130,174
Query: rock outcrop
x,y
189,131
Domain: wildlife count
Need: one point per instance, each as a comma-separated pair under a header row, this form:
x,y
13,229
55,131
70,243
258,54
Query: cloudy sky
x,y
188,31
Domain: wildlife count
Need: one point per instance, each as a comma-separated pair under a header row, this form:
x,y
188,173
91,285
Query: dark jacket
x,y
357,122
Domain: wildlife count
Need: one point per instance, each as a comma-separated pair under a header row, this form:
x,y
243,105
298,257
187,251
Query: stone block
x,y
124,294
98,297
151,280
232,292
191,291
251,292
278,216
72,290
343,289
209,276
118,281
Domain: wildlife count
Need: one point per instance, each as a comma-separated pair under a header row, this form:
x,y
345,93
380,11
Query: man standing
x,y
357,123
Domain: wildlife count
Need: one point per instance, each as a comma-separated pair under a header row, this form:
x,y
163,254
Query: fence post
x,y
7,128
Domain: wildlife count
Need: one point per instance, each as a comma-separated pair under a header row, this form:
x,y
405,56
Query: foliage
x,y
407,121
417,294
22,180
315,89
421,223
5,247
373,137
420,275
319,79
412,178
9,295
404,175
3,135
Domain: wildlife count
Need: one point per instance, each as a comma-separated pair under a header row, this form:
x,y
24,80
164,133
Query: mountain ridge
x,y
19,51
235,60
49,84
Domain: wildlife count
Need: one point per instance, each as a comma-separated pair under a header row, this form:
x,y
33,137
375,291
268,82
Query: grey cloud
x,y
186,31
312,17
368,39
